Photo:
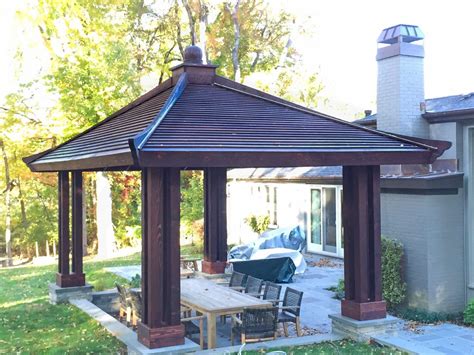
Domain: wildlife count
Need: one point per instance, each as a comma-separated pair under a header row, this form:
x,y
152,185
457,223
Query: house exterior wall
x,y
431,228
247,198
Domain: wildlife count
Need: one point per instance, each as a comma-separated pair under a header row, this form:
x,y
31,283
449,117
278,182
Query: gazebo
x,y
199,120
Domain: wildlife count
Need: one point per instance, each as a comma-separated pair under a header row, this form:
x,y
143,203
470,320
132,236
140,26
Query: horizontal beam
x,y
245,159
240,159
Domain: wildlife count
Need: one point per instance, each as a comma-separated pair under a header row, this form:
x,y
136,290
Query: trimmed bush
x,y
469,313
393,286
422,316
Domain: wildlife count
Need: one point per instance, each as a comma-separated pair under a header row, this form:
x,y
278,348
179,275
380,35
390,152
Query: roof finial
x,y
193,55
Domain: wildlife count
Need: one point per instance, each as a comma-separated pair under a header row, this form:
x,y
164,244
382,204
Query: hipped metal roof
x,y
197,119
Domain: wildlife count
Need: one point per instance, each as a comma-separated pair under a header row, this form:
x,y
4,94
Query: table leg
x,y
211,331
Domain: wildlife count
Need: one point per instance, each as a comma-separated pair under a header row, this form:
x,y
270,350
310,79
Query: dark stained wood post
x,y
362,244
161,324
215,220
64,277
63,227
77,229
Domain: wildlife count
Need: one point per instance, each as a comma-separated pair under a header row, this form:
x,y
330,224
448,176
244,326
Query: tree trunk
x,y
105,229
235,51
8,221
24,221
179,39
192,22
47,248
37,249
203,22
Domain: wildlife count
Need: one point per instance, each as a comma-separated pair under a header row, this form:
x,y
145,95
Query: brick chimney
x,y
400,81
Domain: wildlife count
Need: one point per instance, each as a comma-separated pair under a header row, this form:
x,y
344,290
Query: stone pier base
x,y
64,294
362,330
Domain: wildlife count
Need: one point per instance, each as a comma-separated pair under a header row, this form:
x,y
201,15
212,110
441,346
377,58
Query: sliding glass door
x,y
325,220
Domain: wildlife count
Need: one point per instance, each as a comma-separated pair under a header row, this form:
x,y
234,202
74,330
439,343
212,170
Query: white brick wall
x,y
400,89
431,229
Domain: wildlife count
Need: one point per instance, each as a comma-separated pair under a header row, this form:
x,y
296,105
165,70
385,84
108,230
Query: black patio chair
x,y
255,325
290,310
272,293
125,309
137,306
253,286
237,281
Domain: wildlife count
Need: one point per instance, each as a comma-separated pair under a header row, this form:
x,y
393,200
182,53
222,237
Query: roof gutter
x,y
449,116
138,142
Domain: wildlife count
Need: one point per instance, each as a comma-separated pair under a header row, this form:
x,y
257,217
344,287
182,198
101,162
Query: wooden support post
x,y
65,278
215,220
362,244
161,324
77,228
63,226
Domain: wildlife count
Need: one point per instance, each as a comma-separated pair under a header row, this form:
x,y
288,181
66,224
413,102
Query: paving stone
x,y
448,351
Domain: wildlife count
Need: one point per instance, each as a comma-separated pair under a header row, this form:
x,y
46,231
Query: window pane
x,y
275,207
342,214
316,216
329,219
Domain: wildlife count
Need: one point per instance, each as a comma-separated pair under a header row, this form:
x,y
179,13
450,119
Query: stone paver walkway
x,y
444,338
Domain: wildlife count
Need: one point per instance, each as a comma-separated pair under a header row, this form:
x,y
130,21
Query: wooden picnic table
x,y
214,300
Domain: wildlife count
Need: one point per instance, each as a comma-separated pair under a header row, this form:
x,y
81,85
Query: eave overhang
x,y
449,116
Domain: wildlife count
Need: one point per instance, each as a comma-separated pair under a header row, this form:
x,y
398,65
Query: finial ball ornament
x,y
193,54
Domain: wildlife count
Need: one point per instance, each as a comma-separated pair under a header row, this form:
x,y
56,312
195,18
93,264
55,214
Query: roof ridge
x,y
136,143
157,90
282,102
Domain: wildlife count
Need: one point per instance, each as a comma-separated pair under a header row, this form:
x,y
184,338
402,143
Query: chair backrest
x,y
123,294
272,291
259,321
237,279
292,298
254,285
136,301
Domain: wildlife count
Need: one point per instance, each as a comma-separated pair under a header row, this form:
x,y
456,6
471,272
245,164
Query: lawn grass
x,y
29,324
334,347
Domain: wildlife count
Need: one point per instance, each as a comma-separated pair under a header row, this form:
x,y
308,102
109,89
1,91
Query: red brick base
x,y
364,311
70,280
213,267
160,337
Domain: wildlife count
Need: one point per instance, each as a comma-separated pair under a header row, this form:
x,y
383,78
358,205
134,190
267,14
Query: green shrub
x,y
469,313
393,286
422,316
339,289
135,282
259,224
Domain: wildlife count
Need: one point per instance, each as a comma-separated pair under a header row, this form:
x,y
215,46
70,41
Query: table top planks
x,y
207,297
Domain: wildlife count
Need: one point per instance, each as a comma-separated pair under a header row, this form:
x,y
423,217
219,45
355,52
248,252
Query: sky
x,y
342,47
